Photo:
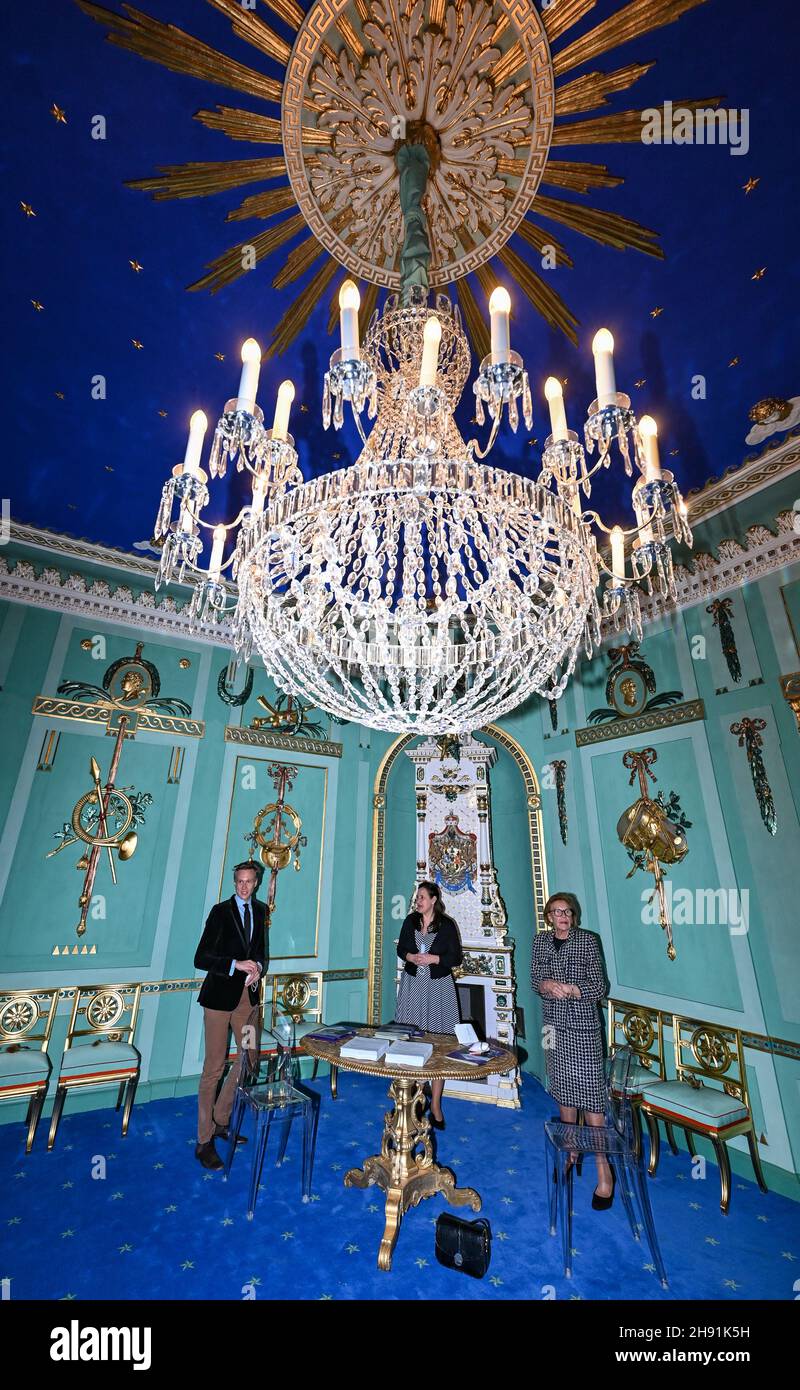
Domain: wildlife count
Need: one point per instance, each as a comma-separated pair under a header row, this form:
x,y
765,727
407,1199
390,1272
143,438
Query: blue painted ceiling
x,y
94,468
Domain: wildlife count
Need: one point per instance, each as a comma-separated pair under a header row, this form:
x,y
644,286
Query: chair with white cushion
x,y
641,1029
101,1053
26,1022
705,1052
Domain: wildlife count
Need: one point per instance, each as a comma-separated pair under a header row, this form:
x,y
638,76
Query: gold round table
x,y
405,1167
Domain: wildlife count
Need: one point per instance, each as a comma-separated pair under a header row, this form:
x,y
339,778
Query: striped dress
x,y
425,1003
573,1036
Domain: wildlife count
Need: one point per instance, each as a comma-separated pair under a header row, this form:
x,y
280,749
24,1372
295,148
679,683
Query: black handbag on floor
x,y
464,1245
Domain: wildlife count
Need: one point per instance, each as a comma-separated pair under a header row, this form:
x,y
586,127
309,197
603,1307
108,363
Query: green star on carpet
x,y
66,1298
421,1262
67,1184
731,1284
681,1177
14,1221
314,1197
508,1201
69,1147
189,1264
352,1249
493,1279
574,1252
762,1218
511,1172
651,1269
19,1175
576,1298
226,1221
711,1240
787,1255
463,1139
695,1206
287,1235
336,1167
64,1234
125,1249
325,1297
502,1235
158,1165
172,1208
254,1279
515,1148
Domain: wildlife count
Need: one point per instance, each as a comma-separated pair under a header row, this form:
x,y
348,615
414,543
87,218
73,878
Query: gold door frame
x,y
538,865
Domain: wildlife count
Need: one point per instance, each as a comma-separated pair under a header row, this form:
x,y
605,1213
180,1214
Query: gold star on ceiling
x,y
136,343
641,382
751,184
303,409
654,313
673,452
108,468
163,414
59,115
760,273
734,362
136,265
60,395
220,356
37,305
27,209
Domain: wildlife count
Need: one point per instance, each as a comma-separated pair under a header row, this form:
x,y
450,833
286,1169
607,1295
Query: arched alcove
x,y
518,849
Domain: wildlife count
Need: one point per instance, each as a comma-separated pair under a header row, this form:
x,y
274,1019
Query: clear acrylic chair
x,y
616,1140
271,1090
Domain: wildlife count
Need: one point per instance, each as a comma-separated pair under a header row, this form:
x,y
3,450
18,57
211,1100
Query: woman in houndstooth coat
x,y
567,971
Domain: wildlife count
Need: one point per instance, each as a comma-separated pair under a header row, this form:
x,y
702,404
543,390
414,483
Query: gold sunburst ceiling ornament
x,y
488,88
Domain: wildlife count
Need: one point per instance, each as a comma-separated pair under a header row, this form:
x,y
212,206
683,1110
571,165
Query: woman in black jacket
x,y
429,947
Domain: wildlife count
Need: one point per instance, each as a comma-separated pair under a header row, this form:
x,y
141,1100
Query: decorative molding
x,y
265,738
190,986
94,599
757,471
56,708
735,565
686,713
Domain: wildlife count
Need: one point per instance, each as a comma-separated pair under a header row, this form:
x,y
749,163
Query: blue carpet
x,y
158,1227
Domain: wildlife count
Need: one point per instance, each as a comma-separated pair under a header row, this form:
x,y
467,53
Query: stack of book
x,y
408,1054
332,1033
361,1049
398,1032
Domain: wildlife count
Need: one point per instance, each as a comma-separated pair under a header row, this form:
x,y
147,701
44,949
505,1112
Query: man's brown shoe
x,y
208,1156
223,1132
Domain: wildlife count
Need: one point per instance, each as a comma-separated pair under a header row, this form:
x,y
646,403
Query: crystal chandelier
x,y
420,590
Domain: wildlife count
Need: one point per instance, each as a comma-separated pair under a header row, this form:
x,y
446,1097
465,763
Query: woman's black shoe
x,y
603,1203
436,1124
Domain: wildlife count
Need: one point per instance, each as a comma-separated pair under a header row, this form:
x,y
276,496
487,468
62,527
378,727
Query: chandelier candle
x,y
555,400
603,349
194,448
215,563
618,552
431,338
283,405
248,382
500,310
648,432
349,305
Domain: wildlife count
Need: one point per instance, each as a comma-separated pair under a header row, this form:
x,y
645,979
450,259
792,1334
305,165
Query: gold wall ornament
x,y
281,837
650,836
790,685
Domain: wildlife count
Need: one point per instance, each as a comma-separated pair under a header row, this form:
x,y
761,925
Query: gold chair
x,y
705,1052
641,1029
101,1054
300,997
26,1017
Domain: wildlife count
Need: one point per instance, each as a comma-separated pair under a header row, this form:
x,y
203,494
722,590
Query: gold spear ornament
x,y
281,838
649,836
